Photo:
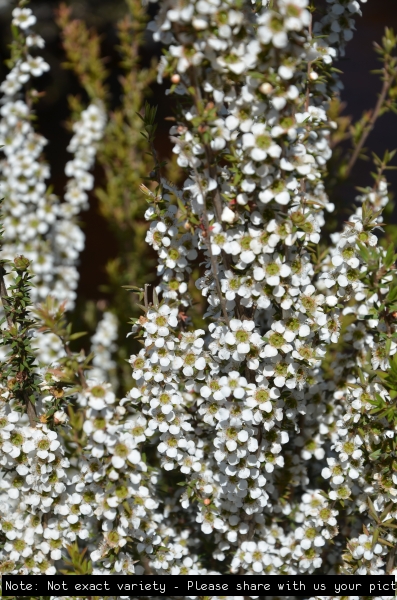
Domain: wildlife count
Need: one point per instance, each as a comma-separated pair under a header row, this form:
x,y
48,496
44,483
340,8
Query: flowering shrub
x,y
259,436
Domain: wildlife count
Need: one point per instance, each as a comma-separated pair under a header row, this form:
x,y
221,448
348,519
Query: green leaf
x,y
375,537
372,509
386,511
375,455
363,252
76,336
390,257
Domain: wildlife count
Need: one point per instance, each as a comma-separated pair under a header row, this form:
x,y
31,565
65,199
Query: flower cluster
x,y
36,223
87,131
253,153
175,245
103,346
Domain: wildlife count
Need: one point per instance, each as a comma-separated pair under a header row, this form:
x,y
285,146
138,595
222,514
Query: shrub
x,y
258,435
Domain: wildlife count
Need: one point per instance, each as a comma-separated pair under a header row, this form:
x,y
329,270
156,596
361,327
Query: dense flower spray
x,y
253,143
233,452
36,223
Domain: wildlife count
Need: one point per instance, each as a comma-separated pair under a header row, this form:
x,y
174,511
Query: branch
x,y
387,83
80,370
30,408
4,298
217,201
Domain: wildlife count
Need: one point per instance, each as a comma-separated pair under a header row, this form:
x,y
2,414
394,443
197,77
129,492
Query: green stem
x,y
30,408
387,83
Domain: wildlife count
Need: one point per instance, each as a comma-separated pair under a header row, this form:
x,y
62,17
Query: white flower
x,y
365,547
124,449
99,395
23,18
232,384
260,143
295,15
35,65
35,40
259,397
241,335
346,254
160,320
277,339
380,358
272,269
45,444
272,30
228,215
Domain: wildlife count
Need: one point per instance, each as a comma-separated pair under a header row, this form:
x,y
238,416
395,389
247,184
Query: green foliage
x,y
69,375
348,138
122,156
18,372
77,564
83,52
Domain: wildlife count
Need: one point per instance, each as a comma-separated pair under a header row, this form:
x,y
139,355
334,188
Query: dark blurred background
x,y
359,94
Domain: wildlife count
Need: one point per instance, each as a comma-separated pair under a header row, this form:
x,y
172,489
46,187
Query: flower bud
x,y
60,417
21,263
266,88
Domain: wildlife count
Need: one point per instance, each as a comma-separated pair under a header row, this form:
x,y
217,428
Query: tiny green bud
x,y
21,263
